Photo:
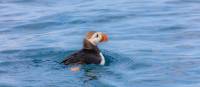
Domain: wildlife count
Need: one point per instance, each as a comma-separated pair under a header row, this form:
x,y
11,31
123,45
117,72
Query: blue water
x,y
153,43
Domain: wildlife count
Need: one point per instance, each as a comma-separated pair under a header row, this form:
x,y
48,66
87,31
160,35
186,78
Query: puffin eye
x,y
97,35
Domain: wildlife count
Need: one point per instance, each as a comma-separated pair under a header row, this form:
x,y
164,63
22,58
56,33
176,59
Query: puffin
x,y
90,53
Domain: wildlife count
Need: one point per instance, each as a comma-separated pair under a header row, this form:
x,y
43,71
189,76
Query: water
x,y
153,43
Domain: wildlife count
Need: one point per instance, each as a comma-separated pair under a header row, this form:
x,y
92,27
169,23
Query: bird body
x,y
90,53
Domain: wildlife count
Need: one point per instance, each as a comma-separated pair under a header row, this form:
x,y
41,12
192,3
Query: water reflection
x,y
90,75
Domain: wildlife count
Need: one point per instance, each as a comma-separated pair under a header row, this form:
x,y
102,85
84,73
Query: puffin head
x,y
96,37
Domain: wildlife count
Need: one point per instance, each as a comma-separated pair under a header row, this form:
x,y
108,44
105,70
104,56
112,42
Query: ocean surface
x,y
152,43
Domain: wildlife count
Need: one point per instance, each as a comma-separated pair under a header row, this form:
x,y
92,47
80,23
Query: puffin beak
x,y
104,37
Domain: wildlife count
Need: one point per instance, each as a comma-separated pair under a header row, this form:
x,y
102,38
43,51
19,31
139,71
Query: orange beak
x,y
104,38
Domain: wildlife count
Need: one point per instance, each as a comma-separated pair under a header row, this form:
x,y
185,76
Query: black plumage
x,y
89,54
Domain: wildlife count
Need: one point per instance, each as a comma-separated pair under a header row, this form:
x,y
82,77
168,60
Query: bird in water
x,y
90,53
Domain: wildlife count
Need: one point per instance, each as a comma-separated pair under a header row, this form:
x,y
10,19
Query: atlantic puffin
x,y
90,53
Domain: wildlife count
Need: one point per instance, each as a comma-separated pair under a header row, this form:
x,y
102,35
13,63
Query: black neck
x,y
89,46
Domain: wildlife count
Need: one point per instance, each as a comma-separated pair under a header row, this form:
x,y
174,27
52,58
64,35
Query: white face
x,y
96,38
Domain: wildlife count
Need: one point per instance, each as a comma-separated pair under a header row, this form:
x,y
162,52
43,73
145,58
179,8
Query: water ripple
x,y
151,43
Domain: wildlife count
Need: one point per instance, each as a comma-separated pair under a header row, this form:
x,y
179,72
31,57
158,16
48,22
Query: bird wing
x,y
74,59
